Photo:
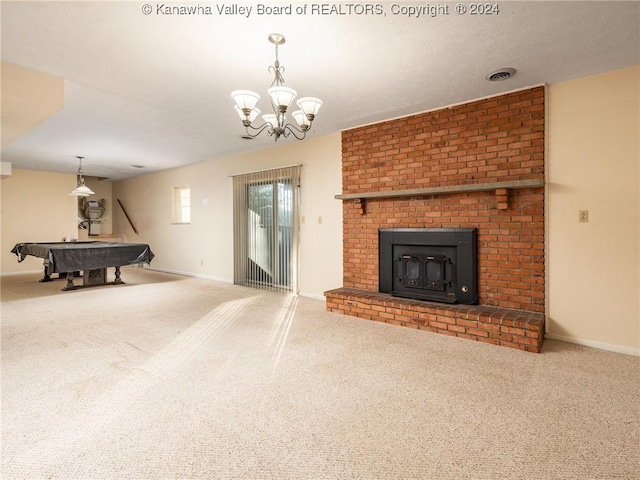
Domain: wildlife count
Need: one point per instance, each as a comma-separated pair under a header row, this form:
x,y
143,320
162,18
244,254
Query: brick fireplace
x,y
479,165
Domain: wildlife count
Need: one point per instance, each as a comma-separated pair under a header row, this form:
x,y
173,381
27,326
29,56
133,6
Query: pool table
x,y
92,258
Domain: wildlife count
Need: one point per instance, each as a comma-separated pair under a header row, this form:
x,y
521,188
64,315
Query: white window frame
x,y
181,205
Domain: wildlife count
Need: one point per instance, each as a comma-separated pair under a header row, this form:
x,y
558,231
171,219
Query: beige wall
x,y
205,247
35,207
594,164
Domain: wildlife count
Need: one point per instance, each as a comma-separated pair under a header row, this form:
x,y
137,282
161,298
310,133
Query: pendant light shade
x,y
81,190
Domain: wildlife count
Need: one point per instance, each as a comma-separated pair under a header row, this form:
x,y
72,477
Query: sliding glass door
x,y
266,229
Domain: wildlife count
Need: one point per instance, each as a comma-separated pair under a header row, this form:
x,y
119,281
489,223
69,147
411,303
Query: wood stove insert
x,y
434,264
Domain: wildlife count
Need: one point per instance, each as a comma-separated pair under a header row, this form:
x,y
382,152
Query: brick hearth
x,y
478,165
500,326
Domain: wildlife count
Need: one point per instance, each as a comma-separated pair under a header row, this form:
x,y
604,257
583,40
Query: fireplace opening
x,y
434,264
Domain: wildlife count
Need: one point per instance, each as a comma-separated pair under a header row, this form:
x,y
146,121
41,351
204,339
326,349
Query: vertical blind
x,y
266,229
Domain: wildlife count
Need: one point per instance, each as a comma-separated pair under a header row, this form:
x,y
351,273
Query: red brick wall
x,y
492,140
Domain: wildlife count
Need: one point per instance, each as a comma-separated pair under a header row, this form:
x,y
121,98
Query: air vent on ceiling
x,y
502,74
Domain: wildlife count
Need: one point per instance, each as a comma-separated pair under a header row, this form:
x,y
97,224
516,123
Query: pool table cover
x,y
74,256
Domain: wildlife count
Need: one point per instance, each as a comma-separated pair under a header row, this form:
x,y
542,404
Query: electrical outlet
x,y
583,216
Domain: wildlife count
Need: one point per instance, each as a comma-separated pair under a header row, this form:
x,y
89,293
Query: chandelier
x,y
281,97
81,190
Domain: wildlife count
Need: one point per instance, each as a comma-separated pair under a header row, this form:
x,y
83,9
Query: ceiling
x,y
154,90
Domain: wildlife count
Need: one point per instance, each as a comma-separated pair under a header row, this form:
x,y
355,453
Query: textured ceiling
x,y
154,89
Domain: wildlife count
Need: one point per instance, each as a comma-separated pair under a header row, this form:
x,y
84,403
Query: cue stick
x,y
127,215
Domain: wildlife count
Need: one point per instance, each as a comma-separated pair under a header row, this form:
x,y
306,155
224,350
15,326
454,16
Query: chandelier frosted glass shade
x,y
301,119
281,98
310,106
245,99
252,115
271,119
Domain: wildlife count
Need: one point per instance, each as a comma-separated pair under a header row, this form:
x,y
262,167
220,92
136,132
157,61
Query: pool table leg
x,y
118,280
47,277
69,285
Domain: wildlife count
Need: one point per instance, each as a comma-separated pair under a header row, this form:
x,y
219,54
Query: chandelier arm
x,y
259,130
292,129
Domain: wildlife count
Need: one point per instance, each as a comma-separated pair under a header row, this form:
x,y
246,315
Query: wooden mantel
x,y
471,187
500,188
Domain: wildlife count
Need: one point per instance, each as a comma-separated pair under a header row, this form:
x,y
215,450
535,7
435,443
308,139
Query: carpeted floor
x,y
170,377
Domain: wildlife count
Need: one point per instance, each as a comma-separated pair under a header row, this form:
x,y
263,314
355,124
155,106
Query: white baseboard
x,y
599,345
315,296
189,274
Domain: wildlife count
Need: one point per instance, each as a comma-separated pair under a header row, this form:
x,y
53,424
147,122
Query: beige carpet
x,y
170,377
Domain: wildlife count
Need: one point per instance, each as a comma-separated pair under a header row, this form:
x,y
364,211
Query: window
x,y
181,204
